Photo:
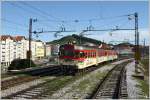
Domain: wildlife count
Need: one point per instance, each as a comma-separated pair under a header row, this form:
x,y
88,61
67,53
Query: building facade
x,y
47,50
39,49
6,50
16,48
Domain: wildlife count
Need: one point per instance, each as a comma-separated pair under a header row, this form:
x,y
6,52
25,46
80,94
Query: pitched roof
x,y
4,37
15,38
19,38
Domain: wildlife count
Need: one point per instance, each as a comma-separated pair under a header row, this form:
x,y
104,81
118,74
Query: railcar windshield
x,y
66,53
72,54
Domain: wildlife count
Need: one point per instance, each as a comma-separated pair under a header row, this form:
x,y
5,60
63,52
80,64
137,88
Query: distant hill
x,y
77,39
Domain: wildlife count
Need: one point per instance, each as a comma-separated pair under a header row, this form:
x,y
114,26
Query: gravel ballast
x,y
133,91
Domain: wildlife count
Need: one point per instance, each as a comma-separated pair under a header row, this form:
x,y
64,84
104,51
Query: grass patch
x,y
100,75
83,84
58,83
145,63
89,83
144,86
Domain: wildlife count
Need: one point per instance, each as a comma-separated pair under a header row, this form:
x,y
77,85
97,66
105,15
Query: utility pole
x,y
29,53
137,51
144,48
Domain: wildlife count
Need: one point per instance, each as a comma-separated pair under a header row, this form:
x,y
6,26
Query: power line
x,y
40,11
93,19
66,21
8,21
108,23
59,20
108,18
16,28
23,9
28,11
20,7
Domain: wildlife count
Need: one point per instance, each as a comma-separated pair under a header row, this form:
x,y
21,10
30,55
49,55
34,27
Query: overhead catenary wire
x,y
20,7
15,27
41,11
67,21
113,23
74,20
92,19
8,21
28,11
38,11
55,19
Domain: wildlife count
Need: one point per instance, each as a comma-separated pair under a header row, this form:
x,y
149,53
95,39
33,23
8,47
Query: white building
x,y
6,50
20,47
16,48
39,49
47,50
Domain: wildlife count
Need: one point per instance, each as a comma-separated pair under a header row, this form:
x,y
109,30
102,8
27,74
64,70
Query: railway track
x,y
16,81
29,92
33,75
113,84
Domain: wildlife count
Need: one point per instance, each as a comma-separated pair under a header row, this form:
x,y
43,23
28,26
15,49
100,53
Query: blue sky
x,y
50,16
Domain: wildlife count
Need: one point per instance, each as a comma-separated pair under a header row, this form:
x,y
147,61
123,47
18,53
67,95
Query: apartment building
x,y
16,47
20,47
6,50
39,49
47,50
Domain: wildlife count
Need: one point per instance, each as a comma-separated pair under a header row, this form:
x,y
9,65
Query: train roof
x,y
81,47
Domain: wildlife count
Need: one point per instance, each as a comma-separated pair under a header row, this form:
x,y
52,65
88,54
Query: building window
x,y
3,59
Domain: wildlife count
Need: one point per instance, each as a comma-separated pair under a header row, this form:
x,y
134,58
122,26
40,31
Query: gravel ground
x,y
17,88
80,88
133,91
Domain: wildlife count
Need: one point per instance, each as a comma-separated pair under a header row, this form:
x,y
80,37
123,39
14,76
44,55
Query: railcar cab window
x,y
67,53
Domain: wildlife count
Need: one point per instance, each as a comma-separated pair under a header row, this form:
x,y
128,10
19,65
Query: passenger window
x,y
82,54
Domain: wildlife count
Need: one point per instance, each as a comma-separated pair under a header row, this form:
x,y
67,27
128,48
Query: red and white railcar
x,y
82,57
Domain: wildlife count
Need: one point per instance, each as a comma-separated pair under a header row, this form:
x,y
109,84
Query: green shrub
x,y
18,64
